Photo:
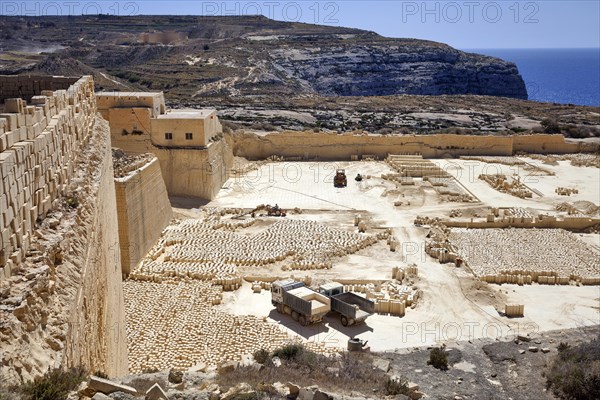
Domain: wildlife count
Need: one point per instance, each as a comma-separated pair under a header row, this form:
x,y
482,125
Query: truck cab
x,y
331,289
278,287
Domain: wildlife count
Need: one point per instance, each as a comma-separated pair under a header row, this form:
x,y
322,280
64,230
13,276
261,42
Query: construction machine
x,y
340,178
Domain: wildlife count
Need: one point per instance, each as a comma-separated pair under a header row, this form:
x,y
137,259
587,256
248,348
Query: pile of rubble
x,y
511,186
561,191
124,164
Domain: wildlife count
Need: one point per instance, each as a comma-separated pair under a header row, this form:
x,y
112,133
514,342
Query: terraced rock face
x,y
251,56
397,67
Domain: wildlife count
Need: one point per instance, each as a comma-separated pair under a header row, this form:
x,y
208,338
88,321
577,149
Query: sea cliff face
x,y
389,68
248,57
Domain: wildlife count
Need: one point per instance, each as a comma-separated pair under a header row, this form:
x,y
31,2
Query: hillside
x,y
250,56
264,74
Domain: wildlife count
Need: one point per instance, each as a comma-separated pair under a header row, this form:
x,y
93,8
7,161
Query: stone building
x,y
138,113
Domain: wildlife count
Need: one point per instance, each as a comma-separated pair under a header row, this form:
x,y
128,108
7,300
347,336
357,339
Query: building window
x,y
168,136
188,136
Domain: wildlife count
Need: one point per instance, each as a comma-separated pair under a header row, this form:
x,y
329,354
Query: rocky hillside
x,y
374,68
247,56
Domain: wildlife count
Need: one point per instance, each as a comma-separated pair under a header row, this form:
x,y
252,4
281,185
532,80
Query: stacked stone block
x,y
25,86
38,146
523,256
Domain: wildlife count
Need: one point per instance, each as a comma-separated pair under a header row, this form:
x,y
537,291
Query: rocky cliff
x,y
397,67
250,56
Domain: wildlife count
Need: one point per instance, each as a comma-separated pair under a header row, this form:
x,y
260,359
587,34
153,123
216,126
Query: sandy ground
x,y
455,306
586,180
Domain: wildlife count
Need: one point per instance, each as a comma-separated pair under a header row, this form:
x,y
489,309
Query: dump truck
x,y
296,299
353,309
340,178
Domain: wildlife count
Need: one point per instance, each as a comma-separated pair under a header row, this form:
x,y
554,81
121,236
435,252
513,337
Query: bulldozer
x,y
340,178
275,211
272,211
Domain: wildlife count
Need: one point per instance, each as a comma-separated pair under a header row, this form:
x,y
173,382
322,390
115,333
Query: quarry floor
x,y
455,306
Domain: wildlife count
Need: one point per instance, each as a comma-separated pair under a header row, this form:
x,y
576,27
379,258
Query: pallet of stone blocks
x,y
39,145
509,185
415,166
210,250
514,310
390,298
177,326
523,256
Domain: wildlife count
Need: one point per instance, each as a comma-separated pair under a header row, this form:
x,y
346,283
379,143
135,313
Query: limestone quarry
x,y
137,237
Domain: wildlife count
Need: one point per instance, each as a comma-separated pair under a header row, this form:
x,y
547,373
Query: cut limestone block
x,y
107,387
156,393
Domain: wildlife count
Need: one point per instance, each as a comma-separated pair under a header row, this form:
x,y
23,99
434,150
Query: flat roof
x,y
330,285
186,114
129,94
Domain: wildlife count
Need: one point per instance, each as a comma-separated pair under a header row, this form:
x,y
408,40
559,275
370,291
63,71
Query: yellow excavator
x,y
272,211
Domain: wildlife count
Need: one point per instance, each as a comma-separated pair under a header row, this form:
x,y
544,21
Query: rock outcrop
x,y
388,67
249,56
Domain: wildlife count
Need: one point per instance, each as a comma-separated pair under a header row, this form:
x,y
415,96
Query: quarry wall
x,y
197,173
325,146
57,187
143,211
96,336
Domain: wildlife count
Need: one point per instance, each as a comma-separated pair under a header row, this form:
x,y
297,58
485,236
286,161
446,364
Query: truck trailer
x,y
353,309
304,304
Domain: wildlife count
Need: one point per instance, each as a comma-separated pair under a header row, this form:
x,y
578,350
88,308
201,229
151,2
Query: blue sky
x,y
467,24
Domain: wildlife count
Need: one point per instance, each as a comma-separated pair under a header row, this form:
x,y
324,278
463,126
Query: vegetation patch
x,y
574,374
438,358
54,385
305,368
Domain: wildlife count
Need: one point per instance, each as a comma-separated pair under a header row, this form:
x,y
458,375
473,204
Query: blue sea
x,y
569,76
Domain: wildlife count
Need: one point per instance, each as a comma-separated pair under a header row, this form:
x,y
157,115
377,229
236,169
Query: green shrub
x,y
289,351
73,201
575,372
55,384
101,374
562,346
395,386
550,126
349,370
261,356
438,357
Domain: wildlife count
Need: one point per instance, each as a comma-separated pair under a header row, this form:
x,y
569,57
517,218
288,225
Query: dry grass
x,y
349,371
